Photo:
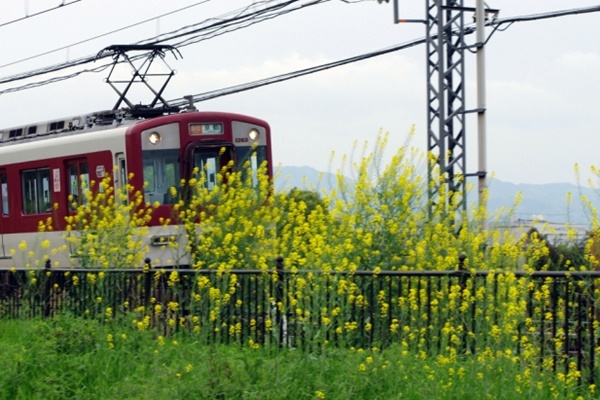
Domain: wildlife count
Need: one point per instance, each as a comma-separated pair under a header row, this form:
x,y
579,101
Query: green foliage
x,y
383,221
306,200
145,365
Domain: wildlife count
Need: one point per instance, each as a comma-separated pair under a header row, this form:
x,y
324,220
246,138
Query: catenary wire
x,y
306,71
263,13
295,74
102,35
38,13
279,78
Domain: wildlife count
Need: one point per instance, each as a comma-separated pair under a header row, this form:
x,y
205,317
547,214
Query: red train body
x,y
43,166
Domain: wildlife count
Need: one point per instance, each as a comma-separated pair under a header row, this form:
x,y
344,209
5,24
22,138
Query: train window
x,y
253,157
79,180
149,174
4,190
32,130
121,180
208,161
54,126
36,191
15,133
161,173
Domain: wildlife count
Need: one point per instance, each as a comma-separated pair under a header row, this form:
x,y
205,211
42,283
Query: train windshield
x,y
249,159
211,161
162,175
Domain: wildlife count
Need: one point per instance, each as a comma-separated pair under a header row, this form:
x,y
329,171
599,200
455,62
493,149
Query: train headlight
x,y
254,134
155,138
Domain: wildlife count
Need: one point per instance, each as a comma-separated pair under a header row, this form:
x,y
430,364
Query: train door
x,y
211,160
120,176
4,210
78,178
209,163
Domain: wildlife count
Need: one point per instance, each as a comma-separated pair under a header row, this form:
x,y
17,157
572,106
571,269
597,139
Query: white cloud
x,y
583,62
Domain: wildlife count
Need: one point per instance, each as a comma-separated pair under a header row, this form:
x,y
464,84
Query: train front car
x,y
161,152
47,169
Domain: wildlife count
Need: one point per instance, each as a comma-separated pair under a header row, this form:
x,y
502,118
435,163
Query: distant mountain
x,y
306,178
547,200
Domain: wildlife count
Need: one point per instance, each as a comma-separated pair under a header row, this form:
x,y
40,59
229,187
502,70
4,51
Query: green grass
x,y
68,358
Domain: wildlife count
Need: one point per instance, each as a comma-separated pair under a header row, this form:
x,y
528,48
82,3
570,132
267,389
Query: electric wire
x,y
552,14
92,58
306,71
226,18
283,77
38,13
55,79
249,17
295,74
239,22
103,35
245,24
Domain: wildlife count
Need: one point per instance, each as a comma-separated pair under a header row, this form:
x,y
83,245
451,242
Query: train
x,y
45,166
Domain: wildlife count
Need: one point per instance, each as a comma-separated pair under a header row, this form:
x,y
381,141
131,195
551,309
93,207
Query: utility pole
x,y
480,18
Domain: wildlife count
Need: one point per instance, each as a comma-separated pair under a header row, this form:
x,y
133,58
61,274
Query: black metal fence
x,y
549,319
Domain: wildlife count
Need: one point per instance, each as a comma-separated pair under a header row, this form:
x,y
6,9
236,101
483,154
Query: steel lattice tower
x,y
446,100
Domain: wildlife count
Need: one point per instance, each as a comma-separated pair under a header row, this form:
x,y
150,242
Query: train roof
x,y
95,121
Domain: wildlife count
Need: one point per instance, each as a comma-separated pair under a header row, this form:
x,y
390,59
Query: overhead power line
x,y
307,71
552,14
218,23
216,27
102,35
295,74
283,77
63,4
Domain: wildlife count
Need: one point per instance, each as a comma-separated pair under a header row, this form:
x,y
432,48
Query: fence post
x,y
279,290
462,257
147,283
47,288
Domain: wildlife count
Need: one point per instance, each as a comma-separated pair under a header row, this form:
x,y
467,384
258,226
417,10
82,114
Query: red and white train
x,y
43,164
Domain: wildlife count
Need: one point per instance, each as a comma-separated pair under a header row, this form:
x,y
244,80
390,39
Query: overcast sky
x,y
542,77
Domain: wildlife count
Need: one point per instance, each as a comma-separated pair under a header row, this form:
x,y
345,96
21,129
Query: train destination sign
x,y
206,129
